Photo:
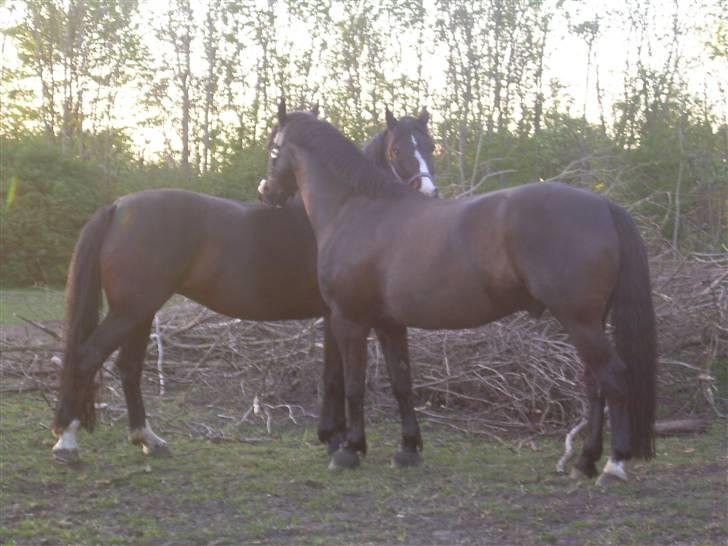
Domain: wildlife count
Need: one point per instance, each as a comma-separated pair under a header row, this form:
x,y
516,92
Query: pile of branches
x,y
518,374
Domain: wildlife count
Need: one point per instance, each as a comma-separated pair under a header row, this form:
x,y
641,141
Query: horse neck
x,y
374,151
322,194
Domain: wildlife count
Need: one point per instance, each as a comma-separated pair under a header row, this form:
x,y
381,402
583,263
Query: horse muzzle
x,y
424,183
268,196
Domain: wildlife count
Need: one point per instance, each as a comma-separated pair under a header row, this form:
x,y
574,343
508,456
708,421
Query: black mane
x,y
342,158
374,150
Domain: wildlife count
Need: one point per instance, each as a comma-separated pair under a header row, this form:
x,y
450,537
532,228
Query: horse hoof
x,y
157,450
66,456
344,458
607,479
406,459
613,472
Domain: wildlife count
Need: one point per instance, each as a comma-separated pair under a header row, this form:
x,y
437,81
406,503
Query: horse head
x,y
408,150
281,182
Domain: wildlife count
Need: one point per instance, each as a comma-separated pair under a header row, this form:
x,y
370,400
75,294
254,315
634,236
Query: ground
x,y
260,488
231,481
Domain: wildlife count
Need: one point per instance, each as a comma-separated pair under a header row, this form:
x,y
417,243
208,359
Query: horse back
x,y
410,261
239,259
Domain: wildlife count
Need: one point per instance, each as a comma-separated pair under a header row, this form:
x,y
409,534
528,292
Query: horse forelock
x,y
340,156
414,126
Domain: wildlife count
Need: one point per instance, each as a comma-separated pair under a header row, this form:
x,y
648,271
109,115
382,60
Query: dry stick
x,y
10,348
569,446
482,181
157,336
202,317
48,331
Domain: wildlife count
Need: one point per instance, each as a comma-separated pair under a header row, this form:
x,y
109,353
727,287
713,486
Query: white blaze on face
x,y
427,186
67,440
278,140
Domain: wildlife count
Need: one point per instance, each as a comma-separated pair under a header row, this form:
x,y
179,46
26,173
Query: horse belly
x,y
258,266
445,283
453,310
260,290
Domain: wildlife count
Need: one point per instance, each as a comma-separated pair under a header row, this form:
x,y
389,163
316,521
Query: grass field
x,y
255,488
31,303
39,304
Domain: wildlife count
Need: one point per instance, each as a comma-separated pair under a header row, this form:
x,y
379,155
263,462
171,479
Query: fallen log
x,y
687,425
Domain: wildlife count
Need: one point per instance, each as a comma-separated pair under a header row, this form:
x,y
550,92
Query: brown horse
x,y
389,258
243,260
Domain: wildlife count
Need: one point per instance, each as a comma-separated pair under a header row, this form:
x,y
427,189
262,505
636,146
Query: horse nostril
x,y
435,193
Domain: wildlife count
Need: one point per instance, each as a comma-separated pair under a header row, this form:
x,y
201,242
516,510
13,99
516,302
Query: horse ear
x,y
281,112
391,120
315,110
424,115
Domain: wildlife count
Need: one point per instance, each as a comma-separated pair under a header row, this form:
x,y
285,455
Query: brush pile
x,y
518,374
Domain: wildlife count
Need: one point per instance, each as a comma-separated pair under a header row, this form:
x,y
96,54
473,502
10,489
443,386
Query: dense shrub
x,y
46,198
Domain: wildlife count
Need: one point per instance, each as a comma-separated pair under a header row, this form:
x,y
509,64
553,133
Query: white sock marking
x,y
146,437
426,186
67,439
615,468
261,186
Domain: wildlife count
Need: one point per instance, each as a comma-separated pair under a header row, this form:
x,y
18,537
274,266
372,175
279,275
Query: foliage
x,y
47,198
92,79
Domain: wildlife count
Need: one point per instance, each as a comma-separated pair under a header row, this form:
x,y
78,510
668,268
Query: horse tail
x,y
83,304
633,317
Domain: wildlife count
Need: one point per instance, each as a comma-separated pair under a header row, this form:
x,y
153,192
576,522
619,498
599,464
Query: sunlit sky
x,y
566,58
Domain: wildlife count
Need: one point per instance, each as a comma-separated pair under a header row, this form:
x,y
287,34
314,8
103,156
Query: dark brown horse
x,y
389,258
243,260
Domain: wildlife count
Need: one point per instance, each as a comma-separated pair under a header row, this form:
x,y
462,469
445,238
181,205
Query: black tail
x,y
634,331
83,303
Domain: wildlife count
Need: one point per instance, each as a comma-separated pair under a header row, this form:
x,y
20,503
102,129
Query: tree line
x,y
90,78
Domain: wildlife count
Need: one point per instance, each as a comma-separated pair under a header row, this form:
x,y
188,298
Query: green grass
x,y
277,490
31,303
42,304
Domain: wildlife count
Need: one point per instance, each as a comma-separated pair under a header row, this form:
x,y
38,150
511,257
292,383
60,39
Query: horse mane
x,y
374,150
342,158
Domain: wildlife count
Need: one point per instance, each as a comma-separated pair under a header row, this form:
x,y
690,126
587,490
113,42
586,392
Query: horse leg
x,y
332,423
601,359
592,450
396,355
130,363
351,339
618,405
107,337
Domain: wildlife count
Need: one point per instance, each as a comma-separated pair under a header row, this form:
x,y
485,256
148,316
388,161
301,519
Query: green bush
x,y
46,199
